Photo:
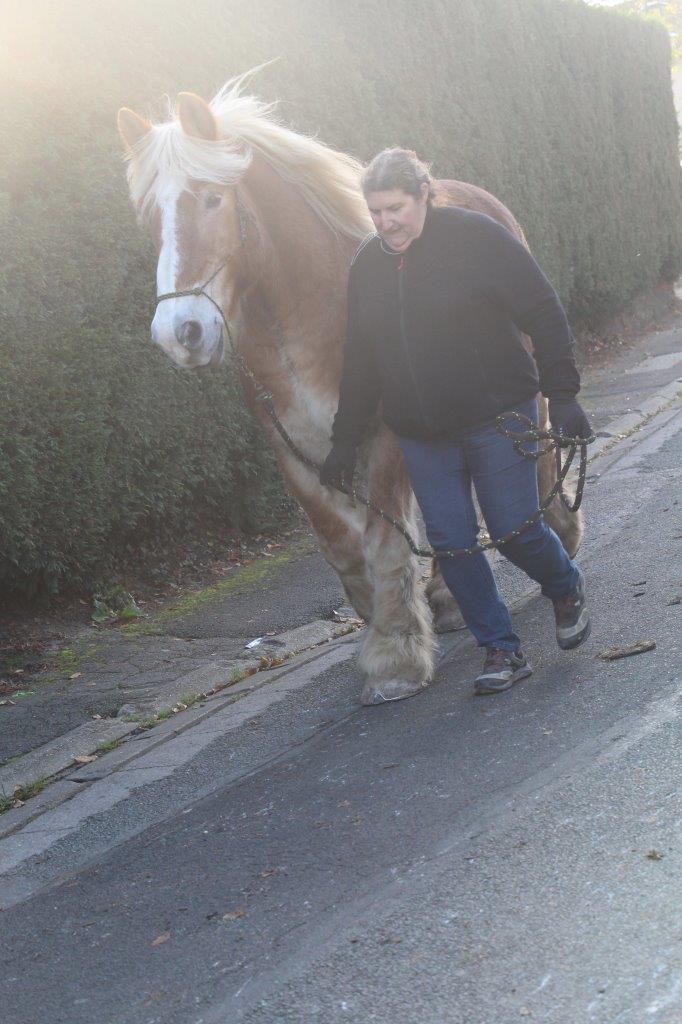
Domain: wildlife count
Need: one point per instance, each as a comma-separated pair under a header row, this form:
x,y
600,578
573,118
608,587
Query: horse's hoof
x,y
448,622
382,691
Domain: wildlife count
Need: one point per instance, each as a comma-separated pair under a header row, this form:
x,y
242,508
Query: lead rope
x,y
556,442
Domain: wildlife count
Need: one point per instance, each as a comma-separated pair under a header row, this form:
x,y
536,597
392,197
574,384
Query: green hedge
x,y
565,112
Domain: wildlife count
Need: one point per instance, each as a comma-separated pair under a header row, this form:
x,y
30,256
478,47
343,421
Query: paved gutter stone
x,y
59,754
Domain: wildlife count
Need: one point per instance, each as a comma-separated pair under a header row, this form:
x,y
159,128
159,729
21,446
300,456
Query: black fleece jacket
x,y
434,333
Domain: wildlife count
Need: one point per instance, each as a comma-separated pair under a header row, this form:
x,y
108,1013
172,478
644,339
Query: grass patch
x,y
56,666
21,794
152,720
64,662
185,700
108,745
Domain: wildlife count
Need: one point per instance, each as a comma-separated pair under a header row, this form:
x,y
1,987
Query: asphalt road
x,y
446,860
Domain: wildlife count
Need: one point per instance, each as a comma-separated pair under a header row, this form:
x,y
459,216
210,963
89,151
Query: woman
x,y
437,301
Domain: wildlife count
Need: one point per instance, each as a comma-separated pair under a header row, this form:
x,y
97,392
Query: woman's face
x,y
397,215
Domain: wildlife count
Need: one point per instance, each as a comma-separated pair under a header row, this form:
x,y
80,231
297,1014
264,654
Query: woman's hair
x,y
398,168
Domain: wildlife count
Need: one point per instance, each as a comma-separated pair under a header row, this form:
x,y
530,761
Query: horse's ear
x,y
132,127
196,117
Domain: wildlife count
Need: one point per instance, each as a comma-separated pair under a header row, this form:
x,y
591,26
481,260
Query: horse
x,y
256,226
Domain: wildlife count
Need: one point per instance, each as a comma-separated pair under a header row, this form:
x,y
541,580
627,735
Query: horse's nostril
x,y
189,334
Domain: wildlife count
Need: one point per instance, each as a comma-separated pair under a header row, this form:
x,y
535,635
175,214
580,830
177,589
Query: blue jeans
x,y
442,473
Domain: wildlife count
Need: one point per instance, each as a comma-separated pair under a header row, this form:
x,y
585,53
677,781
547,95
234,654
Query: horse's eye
x,y
212,200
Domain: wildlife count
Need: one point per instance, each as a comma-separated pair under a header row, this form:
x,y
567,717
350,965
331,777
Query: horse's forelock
x,y
167,158
329,180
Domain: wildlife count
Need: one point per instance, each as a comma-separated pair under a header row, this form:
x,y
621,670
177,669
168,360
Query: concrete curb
x,y
58,754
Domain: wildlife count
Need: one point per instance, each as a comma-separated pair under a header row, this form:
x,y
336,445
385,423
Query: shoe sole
x,y
481,688
568,643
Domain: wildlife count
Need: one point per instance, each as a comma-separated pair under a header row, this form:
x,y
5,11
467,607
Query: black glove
x,y
339,466
568,417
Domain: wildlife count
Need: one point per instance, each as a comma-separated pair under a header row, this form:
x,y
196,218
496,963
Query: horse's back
x,y
471,197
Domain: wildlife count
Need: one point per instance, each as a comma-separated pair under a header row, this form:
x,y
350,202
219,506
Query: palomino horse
x,y
267,221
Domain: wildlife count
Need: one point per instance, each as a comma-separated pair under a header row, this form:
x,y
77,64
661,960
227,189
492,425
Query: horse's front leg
x,y
339,529
397,655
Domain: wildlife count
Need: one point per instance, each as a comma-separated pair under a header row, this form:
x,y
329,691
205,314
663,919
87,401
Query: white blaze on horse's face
x,y
195,232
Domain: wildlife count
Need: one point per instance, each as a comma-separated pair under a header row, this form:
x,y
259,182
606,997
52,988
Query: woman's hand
x,y
568,417
339,466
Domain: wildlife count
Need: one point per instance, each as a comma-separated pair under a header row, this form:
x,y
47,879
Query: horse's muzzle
x,y
189,331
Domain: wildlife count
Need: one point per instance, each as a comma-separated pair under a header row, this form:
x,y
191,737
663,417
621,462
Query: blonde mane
x,y
328,180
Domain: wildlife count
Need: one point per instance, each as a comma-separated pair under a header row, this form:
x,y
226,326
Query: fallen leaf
x,y
232,915
160,939
266,872
7,701
613,653
344,803
85,758
655,855
675,600
75,675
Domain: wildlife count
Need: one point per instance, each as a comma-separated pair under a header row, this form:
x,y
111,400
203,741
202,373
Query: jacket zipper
x,y
403,336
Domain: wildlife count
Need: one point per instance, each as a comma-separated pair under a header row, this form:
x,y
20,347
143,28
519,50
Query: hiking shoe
x,y
572,619
501,670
